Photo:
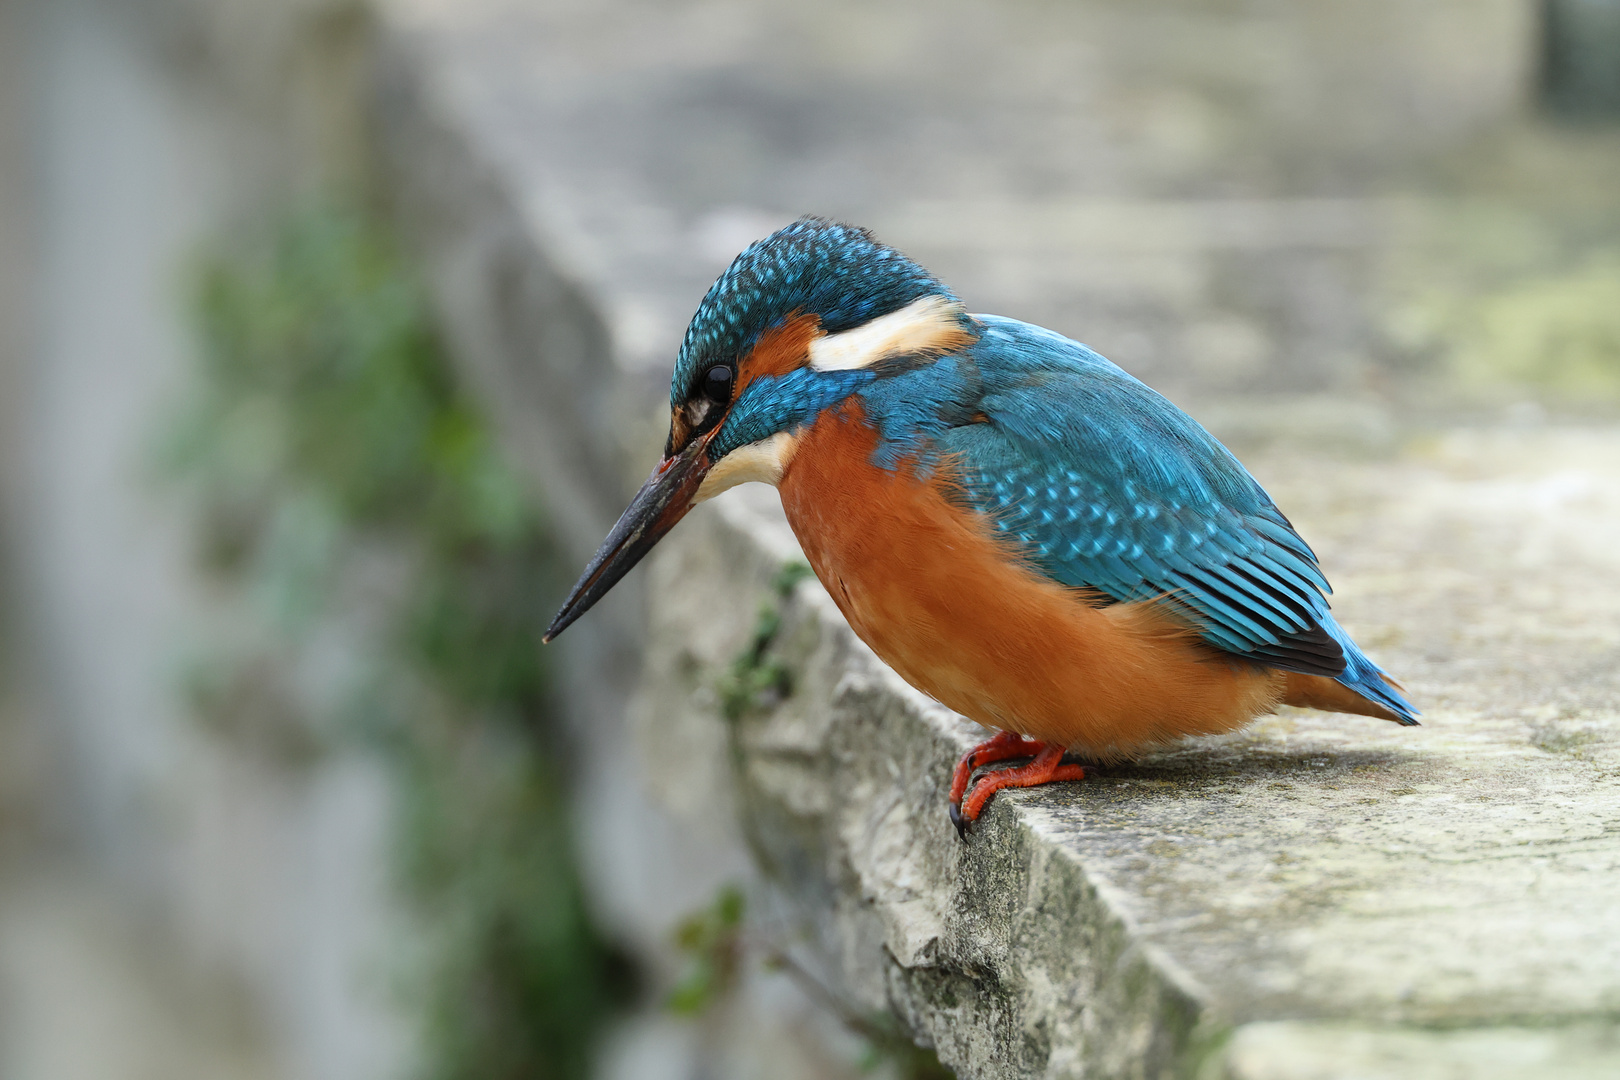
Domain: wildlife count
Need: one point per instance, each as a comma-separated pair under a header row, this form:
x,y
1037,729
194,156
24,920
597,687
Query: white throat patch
x,y
927,323
763,461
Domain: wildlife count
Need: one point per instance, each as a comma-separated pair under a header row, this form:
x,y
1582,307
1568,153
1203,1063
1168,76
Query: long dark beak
x,y
662,501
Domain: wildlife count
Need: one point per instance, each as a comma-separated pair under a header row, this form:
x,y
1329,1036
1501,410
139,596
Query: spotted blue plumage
x,y
817,267
776,403
1109,486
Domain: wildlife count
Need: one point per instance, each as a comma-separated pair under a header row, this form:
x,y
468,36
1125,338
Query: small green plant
x,y
756,680
328,446
715,942
711,940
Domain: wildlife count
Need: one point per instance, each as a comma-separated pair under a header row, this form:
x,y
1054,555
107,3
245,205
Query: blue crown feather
x,y
838,273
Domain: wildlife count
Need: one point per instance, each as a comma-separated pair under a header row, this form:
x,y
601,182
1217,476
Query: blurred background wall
x,y
177,902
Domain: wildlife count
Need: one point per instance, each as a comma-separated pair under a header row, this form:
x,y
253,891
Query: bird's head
x,y
800,321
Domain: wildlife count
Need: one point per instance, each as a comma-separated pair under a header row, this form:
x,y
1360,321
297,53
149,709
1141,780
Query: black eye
x,y
717,384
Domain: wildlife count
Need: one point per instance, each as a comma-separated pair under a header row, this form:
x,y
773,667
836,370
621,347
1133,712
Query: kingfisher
x,y
1018,527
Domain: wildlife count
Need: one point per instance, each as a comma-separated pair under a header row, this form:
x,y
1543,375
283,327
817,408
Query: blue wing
x,y
1110,486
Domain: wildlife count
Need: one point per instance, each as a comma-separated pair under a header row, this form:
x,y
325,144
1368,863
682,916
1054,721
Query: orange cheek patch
x,y
780,350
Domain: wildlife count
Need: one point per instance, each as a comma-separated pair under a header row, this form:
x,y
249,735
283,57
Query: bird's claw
x,y
1049,765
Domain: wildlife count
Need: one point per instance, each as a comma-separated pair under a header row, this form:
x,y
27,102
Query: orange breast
x,y
961,617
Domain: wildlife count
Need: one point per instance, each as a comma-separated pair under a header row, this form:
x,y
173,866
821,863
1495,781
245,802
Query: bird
x,y
1022,530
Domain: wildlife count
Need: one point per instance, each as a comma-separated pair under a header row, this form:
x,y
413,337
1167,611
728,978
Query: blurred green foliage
x,y
1507,303
905,1059
1556,334
353,500
711,938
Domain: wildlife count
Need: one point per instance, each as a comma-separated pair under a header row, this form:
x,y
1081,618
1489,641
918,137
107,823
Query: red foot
x,y
1047,767
1006,744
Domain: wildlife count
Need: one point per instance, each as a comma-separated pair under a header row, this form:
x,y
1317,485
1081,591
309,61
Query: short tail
x,y
1367,679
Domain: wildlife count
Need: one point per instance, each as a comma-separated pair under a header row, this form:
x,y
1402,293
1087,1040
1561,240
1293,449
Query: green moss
x,y
1558,333
1504,303
327,437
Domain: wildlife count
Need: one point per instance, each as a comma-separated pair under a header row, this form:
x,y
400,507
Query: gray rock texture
x,y
1316,896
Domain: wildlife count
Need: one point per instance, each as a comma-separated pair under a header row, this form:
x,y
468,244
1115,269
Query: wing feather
x,y
1110,487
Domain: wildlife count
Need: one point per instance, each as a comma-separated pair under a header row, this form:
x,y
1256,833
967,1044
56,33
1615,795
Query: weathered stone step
x,y
1314,897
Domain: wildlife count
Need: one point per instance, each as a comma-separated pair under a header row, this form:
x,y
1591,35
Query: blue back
x,y
1109,486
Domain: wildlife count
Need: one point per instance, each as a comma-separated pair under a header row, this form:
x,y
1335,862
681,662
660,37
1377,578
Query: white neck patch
x,y
927,323
763,461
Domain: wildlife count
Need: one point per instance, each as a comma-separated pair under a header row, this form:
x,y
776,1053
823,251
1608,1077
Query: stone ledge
x,y
1258,905
1314,897
1291,1050
1004,953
